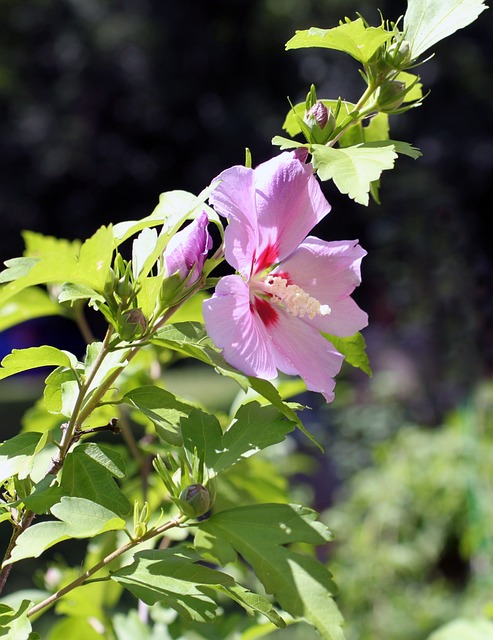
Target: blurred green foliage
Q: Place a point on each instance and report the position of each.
(414, 531)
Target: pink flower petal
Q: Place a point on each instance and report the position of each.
(299, 348)
(233, 327)
(234, 199)
(289, 203)
(329, 272)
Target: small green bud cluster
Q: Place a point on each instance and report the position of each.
(120, 294)
(185, 484)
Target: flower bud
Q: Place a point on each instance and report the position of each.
(132, 324)
(398, 55)
(187, 250)
(321, 122)
(195, 500)
(390, 95)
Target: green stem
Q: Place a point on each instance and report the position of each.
(174, 522)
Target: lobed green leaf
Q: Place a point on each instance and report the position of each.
(302, 586)
(254, 427)
(353, 349)
(352, 37)
(354, 168)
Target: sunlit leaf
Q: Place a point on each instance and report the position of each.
(464, 629)
(352, 37)
(33, 357)
(77, 518)
(27, 305)
(426, 22)
(353, 349)
(353, 169)
(15, 624)
(16, 454)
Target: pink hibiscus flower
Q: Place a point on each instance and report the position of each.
(288, 287)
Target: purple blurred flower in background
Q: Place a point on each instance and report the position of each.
(289, 287)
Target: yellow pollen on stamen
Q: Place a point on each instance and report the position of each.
(295, 300)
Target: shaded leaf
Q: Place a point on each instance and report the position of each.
(88, 472)
(176, 578)
(173, 577)
(254, 428)
(162, 408)
(302, 586)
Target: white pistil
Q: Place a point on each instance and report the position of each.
(295, 300)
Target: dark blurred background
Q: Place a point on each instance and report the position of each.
(104, 104)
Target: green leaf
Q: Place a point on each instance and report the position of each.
(94, 259)
(162, 408)
(173, 208)
(463, 629)
(16, 454)
(252, 602)
(254, 428)
(89, 267)
(25, 359)
(353, 349)
(77, 518)
(16, 268)
(15, 624)
(27, 305)
(353, 169)
(352, 37)
(38, 245)
(88, 473)
(61, 391)
(302, 585)
(75, 628)
(173, 577)
(69, 292)
(286, 143)
(426, 22)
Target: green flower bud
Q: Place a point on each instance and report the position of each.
(390, 95)
(195, 500)
(398, 55)
(132, 324)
